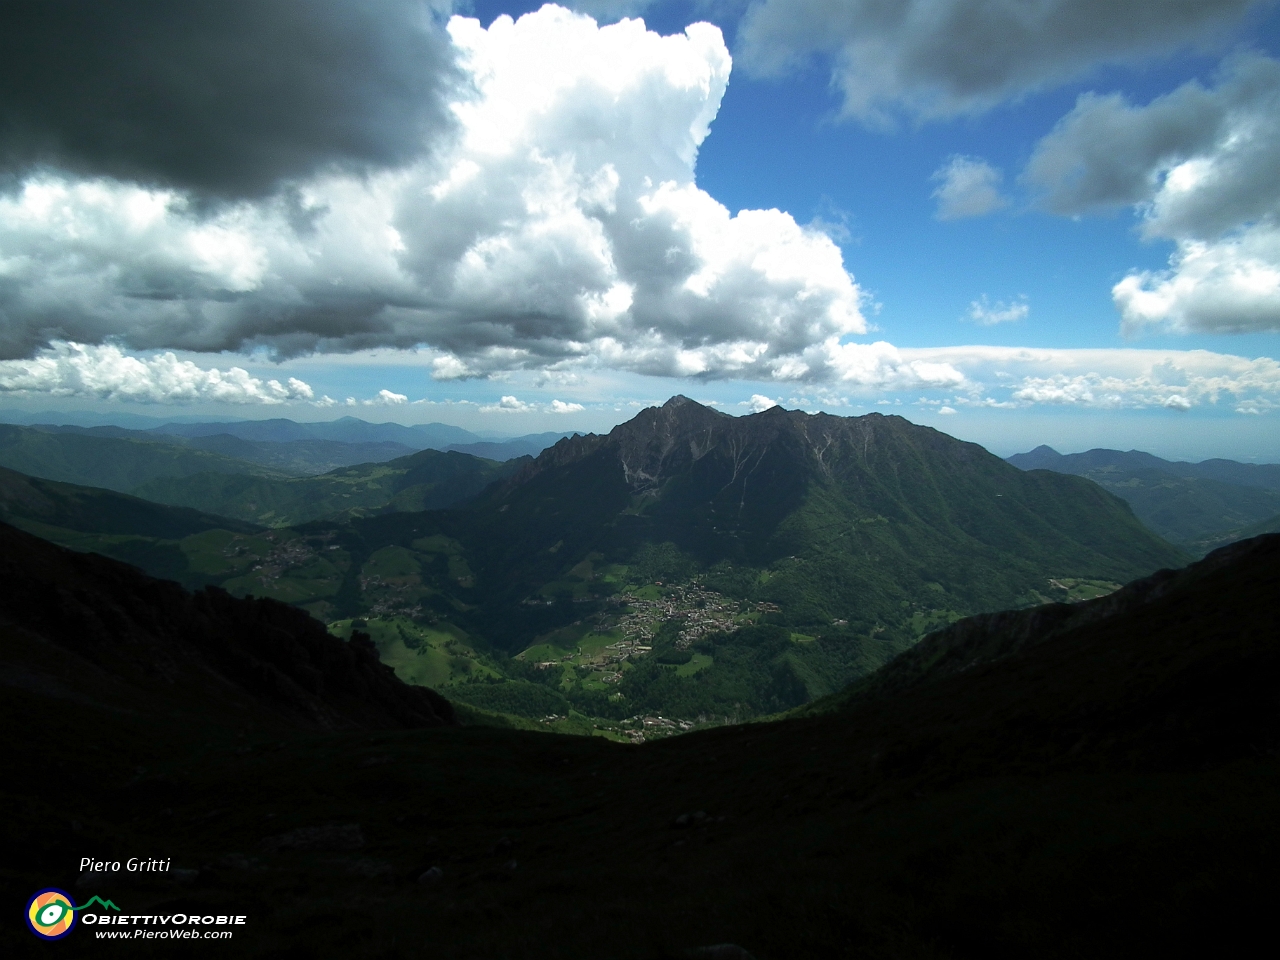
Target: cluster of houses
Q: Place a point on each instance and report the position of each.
(703, 611)
(395, 600)
(283, 556)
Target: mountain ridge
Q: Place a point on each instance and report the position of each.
(1199, 506)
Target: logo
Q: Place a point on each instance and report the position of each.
(50, 914)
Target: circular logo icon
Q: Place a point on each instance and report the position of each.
(50, 914)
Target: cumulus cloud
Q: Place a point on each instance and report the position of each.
(507, 405)
(559, 224)
(987, 314)
(758, 403)
(225, 97)
(107, 373)
(939, 57)
(967, 187)
(1200, 165)
(1230, 286)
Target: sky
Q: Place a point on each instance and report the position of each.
(1019, 224)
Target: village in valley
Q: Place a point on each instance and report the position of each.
(595, 651)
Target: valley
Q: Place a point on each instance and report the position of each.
(688, 566)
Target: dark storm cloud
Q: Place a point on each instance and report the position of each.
(940, 57)
(224, 97)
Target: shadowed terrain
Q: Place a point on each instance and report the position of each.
(1091, 780)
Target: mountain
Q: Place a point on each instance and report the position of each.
(344, 430)
(111, 462)
(298, 457)
(1196, 505)
(839, 517)
(1264, 476)
(93, 510)
(1095, 780)
(427, 480)
(693, 564)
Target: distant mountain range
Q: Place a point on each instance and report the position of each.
(1197, 505)
(111, 462)
(294, 457)
(270, 447)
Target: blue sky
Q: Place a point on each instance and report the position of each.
(1061, 228)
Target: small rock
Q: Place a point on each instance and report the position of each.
(434, 875)
(329, 837)
(369, 869)
(689, 819)
(719, 951)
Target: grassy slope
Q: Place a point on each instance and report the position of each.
(422, 481)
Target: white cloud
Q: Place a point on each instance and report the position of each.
(1230, 286)
(107, 373)
(946, 411)
(967, 187)
(940, 57)
(510, 404)
(507, 405)
(1103, 379)
(386, 398)
(882, 366)
(561, 225)
(986, 314)
(758, 403)
(1200, 166)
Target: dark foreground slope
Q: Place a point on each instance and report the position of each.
(91, 630)
(1109, 791)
